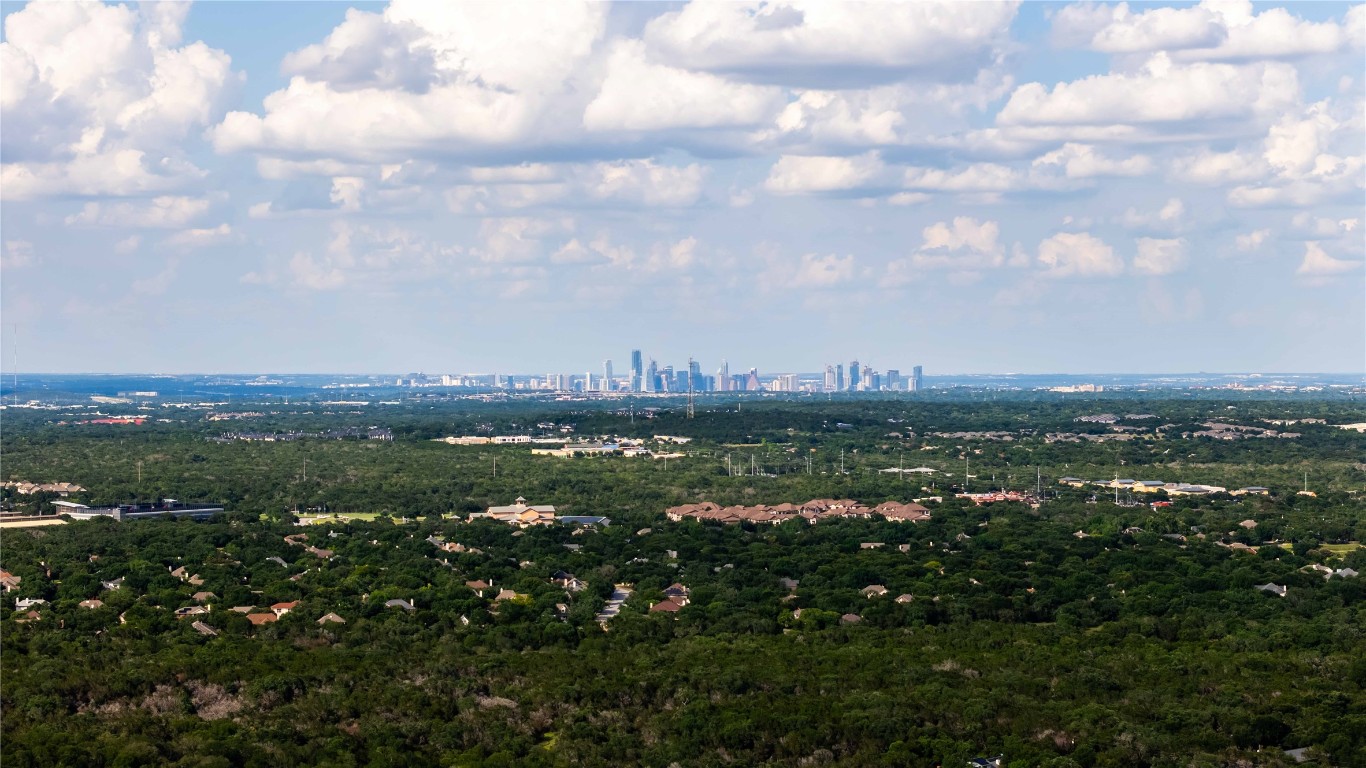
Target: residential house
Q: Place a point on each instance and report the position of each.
(902, 513)
(666, 605)
(280, 609)
(204, 629)
(850, 618)
(906, 598)
(479, 585)
(9, 581)
(1275, 589)
(568, 581)
(91, 604)
(190, 610)
(258, 619)
(678, 593)
(114, 585)
(24, 603)
(27, 617)
(204, 597)
(396, 603)
(331, 618)
(874, 590)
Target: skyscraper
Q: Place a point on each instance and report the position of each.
(637, 372)
(606, 375)
(917, 377)
(839, 377)
(829, 378)
(893, 379)
(652, 377)
(854, 375)
(695, 376)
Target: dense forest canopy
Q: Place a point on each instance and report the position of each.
(1092, 626)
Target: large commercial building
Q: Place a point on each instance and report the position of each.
(163, 508)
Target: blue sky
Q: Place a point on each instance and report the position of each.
(972, 187)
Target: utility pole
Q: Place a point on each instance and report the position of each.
(305, 469)
(730, 472)
(841, 461)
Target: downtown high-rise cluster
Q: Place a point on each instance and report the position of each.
(647, 376)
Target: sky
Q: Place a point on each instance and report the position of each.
(537, 187)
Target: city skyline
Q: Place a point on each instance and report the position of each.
(977, 187)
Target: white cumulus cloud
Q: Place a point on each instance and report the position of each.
(1160, 257)
(1160, 92)
(798, 174)
(1078, 254)
(641, 95)
(1220, 30)
(422, 77)
(1082, 161)
(811, 43)
(1317, 263)
(98, 98)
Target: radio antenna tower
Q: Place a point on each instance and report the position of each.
(690, 403)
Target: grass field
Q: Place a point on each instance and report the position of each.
(341, 518)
